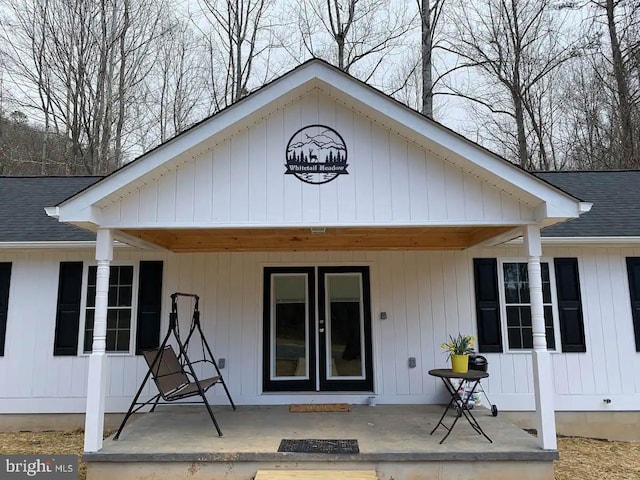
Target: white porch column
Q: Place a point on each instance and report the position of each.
(98, 362)
(542, 371)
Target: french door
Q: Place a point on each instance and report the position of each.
(317, 329)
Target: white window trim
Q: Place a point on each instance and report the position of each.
(328, 326)
(503, 304)
(272, 333)
(134, 308)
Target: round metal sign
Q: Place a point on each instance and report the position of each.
(316, 154)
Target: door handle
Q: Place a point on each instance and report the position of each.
(321, 330)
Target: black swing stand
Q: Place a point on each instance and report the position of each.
(173, 375)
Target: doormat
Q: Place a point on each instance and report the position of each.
(319, 407)
(319, 446)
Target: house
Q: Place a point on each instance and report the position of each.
(336, 238)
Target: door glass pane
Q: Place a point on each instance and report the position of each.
(344, 326)
(289, 326)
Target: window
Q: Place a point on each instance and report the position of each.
(119, 311)
(134, 307)
(517, 305)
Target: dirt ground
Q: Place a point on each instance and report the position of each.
(589, 459)
(57, 443)
(580, 458)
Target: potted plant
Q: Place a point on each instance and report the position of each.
(458, 349)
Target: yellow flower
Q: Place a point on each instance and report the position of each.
(460, 344)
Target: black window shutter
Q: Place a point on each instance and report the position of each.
(149, 306)
(5, 280)
(485, 272)
(569, 305)
(68, 311)
(633, 271)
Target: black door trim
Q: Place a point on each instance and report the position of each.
(366, 384)
(304, 385)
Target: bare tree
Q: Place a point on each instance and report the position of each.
(81, 64)
(589, 113)
(601, 110)
(621, 75)
(615, 70)
(414, 78)
(176, 95)
(515, 46)
(238, 38)
(430, 12)
(20, 147)
(355, 35)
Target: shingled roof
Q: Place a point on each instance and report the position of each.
(615, 213)
(616, 203)
(22, 215)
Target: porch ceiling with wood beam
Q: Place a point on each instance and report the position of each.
(304, 239)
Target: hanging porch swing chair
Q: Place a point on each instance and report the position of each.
(174, 375)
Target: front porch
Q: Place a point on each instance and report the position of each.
(394, 440)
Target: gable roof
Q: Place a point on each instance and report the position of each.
(550, 203)
(22, 215)
(616, 203)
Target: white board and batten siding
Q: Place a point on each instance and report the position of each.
(427, 295)
(241, 182)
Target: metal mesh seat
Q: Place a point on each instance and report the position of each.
(172, 381)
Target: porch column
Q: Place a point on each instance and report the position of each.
(542, 371)
(98, 362)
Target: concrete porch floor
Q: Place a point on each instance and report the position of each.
(180, 442)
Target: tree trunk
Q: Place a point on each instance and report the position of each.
(517, 90)
(100, 96)
(627, 154)
(122, 97)
(427, 46)
(523, 154)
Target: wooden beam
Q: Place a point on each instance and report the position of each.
(301, 239)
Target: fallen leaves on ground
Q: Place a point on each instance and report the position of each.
(591, 459)
(580, 458)
(49, 443)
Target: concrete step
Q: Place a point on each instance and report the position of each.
(316, 475)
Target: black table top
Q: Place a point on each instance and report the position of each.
(448, 373)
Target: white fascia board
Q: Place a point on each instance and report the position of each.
(298, 224)
(88, 217)
(53, 212)
(585, 207)
(489, 163)
(184, 142)
(52, 245)
(603, 241)
(551, 211)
